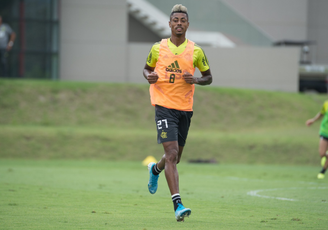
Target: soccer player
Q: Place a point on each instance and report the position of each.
(323, 143)
(169, 70)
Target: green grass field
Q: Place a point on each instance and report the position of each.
(66, 120)
(71, 153)
(114, 195)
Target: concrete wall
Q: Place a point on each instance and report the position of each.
(137, 32)
(93, 40)
(280, 19)
(138, 53)
(318, 29)
(289, 19)
(274, 69)
(95, 47)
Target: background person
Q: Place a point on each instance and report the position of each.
(323, 132)
(169, 70)
(7, 38)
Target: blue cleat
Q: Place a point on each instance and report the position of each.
(182, 212)
(152, 184)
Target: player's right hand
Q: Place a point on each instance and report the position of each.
(152, 77)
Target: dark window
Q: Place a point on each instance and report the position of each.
(36, 49)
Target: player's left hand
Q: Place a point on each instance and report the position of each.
(309, 122)
(188, 78)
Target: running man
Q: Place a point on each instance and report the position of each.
(169, 70)
(323, 143)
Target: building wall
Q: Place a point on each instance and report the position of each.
(274, 69)
(93, 40)
(138, 53)
(95, 47)
(318, 29)
(280, 19)
(292, 20)
(137, 32)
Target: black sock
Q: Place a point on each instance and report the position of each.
(156, 170)
(323, 171)
(176, 200)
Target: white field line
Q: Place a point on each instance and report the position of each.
(255, 192)
(261, 180)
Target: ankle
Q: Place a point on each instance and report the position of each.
(176, 199)
(156, 170)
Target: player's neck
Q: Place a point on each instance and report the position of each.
(177, 40)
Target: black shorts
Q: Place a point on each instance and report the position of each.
(323, 137)
(172, 125)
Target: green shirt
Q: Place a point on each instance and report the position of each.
(324, 123)
(199, 57)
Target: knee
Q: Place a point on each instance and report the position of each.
(171, 156)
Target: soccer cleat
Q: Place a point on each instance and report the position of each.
(182, 212)
(321, 176)
(323, 161)
(152, 184)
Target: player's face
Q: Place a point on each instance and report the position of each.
(179, 23)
